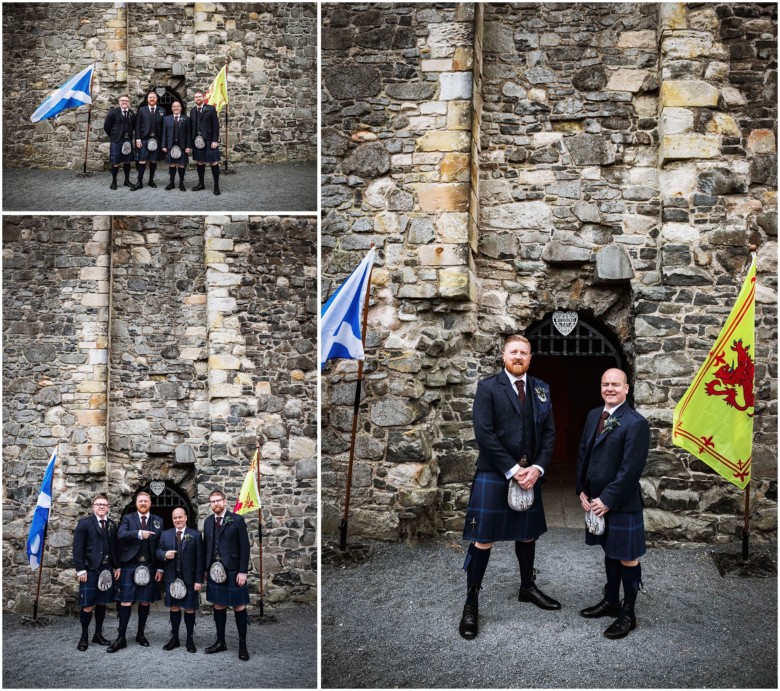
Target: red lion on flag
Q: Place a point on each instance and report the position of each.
(733, 377)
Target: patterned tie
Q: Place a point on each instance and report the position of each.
(519, 383)
(143, 522)
(602, 420)
(178, 538)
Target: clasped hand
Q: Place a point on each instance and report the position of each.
(526, 477)
(599, 508)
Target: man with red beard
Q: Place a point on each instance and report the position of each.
(515, 432)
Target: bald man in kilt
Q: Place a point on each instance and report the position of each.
(139, 533)
(180, 554)
(227, 544)
(613, 452)
(515, 432)
(95, 551)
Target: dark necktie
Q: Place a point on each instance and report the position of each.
(178, 538)
(143, 522)
(124, 114)
(102, 526)
(519, 383)
(602, 420)
(219, 522)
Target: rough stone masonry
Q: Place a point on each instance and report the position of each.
(176, 47)
(159, 349)
(512, 160)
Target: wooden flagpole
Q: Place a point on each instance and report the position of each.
(89, 120)
(259, 525)
(227, 108)
(345, 519)
(43, 542)
(746, 526)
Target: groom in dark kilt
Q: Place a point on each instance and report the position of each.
(515, 432)
(227, 544)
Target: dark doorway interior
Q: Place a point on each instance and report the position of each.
(164, 100)
(163, 504)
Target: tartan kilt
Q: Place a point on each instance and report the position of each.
(489, 518)
(227, 593)
(143, 154)
(128, 591)
(190, 601)
(183, 160)
(90, 594)
(207, 155)
(116, 156)
(624, 536)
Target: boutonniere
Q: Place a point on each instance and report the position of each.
(228, 519)
(541, 393)
(186, 537)
(157, 525)
(610, 424)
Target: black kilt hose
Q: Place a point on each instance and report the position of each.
(128, 591)
(190, 601)
(489, 518)
(227, 594)
(116, 156)
(623, 537)
(90, 594)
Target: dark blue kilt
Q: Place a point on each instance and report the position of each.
(116, 156)
(227, 593)
(143, 154)
(624, 536)
(128, 591)
(190, 601)
(207, 155)
(183, 160)
(489, 518)
(90, 595)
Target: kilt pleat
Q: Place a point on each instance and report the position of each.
(207, 155)
(489, 518)
(227, 593)
(90, 594)
(624, 537)
(128, 591)
(116, 155)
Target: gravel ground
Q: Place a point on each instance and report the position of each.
(392, 622)
(249, 188)
(283, 654)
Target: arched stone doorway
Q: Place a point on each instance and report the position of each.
(170, 497)
(571, 350)
(165, 97)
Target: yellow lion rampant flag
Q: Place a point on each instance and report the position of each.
(248, 499)
(714, 420)
(217, 94)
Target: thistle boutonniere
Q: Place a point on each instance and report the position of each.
(157, 525)
(186, 537)
(541, 393)
(610, 424)
(228, 520)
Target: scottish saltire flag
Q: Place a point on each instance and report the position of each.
(217, 94)
(72, 94)
(248, 498)
(341, 316)
(714, 419)
(41, 516)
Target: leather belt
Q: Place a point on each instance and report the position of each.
(523, 462)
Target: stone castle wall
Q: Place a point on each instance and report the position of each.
(592, 177)
(167, 364)
(179, 46)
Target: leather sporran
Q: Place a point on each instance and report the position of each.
(105, 580)
(175, 151)
(519, 499)
(178, 589)
(200, 142)
(141, 576)
(595, 524)
(152, 145)
(217, 572)
(127, 147)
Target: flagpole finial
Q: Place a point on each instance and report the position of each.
(753, 248)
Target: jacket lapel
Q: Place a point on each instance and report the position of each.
(617, 415)
(510, 391)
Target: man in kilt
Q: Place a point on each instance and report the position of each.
(205, 141)
(227, 543)
(176, 134)
(515, 432)
(181, 551)
(139, 533)
(612, 456)
(119, 126)
(95, 551)
(148, 128)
